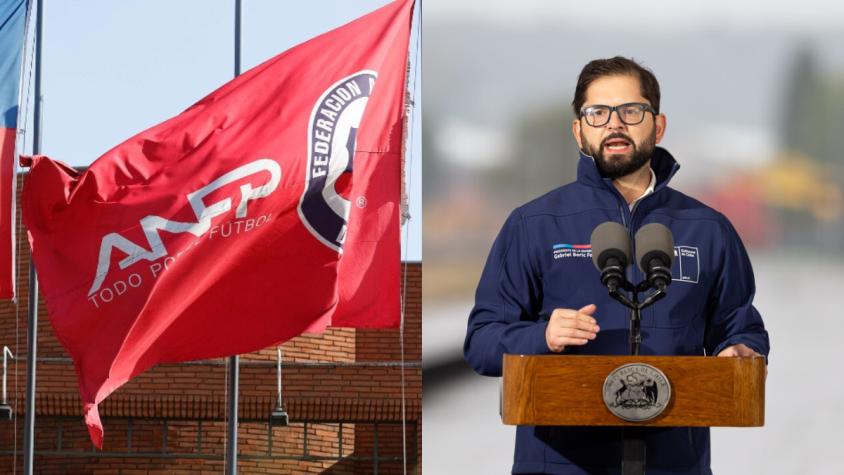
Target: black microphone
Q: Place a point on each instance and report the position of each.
(611, 253)
(655, 254)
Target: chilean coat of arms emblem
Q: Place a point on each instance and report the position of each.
(636, 392)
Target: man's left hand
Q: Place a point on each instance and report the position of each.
(738, 350)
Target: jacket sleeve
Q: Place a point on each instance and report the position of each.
(732, 317)
(507, 303)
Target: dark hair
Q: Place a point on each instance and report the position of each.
(618, 66)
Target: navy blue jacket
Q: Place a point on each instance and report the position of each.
(535, 266)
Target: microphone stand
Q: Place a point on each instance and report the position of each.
(635, 307)
(633, 441)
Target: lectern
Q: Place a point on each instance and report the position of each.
(568, 390)
(643, 391)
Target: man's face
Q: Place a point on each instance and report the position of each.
(619, 149)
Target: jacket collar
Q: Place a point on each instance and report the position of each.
(662, 163)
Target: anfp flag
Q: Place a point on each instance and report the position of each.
(270, 204)
(12, 19)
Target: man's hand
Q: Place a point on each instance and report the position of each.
(570, 327)
(738, 350)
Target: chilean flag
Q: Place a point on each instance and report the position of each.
(269, 205)
(12, 20)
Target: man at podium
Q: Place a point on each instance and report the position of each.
(540, 293)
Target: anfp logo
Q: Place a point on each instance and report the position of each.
(152, 224)
(332, 134)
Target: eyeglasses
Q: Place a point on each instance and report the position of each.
(632, 113)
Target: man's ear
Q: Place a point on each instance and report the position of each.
(575, 130)
(660, 123)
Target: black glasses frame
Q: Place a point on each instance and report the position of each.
(616, 109)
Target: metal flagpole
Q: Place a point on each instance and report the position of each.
(32, 329)
(234, 361)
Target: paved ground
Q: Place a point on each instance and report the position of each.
(798, 298)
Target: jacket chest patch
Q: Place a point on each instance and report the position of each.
(686, 266)
(564, 251)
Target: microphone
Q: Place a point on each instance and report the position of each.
(655, 254)
(611, 253)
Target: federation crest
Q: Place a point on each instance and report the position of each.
(332, 135)
(636, 392)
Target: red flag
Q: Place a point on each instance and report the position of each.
(271, 204)
(13, 15)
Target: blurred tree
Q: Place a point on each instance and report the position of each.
(434, 169)
(545, 155)
(834, 92)
(813, 109)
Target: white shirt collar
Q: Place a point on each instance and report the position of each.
(648, 190)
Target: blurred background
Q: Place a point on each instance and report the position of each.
(754, 95)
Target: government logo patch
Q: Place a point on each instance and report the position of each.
(686, 264)
(572, 250)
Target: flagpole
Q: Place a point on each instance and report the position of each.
(32, 308)
(234, 361)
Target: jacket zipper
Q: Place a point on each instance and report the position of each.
(628, 272)
(631, 272)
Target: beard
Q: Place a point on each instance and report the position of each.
(617, 165)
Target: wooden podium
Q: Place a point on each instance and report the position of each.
(567, 390)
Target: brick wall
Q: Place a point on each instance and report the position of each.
(344, 381)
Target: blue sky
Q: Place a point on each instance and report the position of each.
(114, 68)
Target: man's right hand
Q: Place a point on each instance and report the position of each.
(571, 327)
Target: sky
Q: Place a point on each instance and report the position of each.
(647, 15)
(114, 68)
